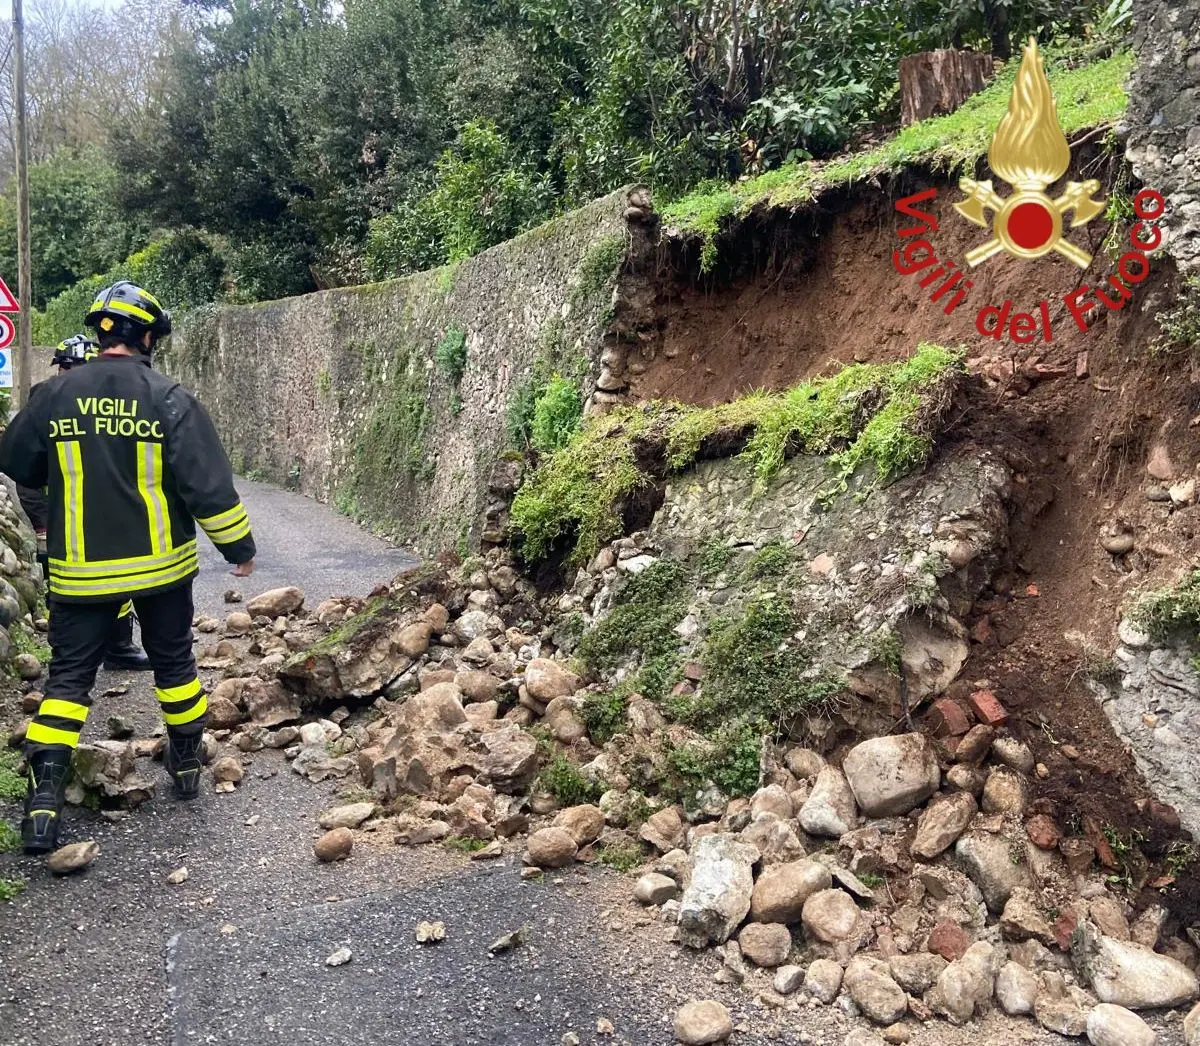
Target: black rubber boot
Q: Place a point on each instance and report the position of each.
(48, 771)
(184, 759)
(122, 654)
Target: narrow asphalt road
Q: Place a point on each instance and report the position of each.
(118, 957)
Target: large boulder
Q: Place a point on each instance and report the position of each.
(545, 680)
(965, 987)
(718, 897)
(892, 775)
(551, 848)
(509, 758)
(1126, 974)
(831, 916)
(830, 809)
(941, 824)
(1109, 1025)
(1016, 989)
(782, 889)
(268, 703)
(278, 602)
(996, 865)
(871, 986)
(765, 944)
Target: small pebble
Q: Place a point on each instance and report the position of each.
(178, 877)
(431, 933)
(339, 958)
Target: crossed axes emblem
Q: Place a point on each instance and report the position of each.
(1029, 224)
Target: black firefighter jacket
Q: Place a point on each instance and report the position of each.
(132, 462)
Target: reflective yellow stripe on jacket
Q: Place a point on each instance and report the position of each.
(70, 463)
(228, 526)
(116, 577)
(150, 474)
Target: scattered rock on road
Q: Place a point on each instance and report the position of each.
(335, 845)
(431, 933)
(178, 877)
(551, 848)
(349, 816)
(339, 958)
(73, 857)
(700, 1023)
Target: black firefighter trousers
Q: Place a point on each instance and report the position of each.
(79, 633)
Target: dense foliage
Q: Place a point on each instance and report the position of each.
(305, 143)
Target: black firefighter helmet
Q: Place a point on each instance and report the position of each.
(127, 311)
(73, 351)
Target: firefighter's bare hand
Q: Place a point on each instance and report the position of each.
(243, 569)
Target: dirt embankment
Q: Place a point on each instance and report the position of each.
(1093, 422)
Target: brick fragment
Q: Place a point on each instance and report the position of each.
(987, 708)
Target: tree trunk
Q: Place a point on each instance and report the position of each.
(936, 82)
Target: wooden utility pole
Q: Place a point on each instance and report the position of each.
(24, 355)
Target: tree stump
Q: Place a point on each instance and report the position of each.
(936, 82)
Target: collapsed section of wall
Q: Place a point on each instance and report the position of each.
(394, 400)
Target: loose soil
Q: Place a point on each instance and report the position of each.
(798, 294)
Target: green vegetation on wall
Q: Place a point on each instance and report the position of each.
(1171, 612)
(557, 411)
(882, 415)
(392, 449)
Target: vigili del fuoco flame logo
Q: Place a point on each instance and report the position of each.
(1029, 152)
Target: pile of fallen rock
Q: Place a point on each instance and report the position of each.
(903, 879)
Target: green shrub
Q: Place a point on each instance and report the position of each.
(562, 779)
(621, 857)
(11, 888)
(647, 608)
(451, 354)
(604, 715)
(12, 784)
(482, 194)
(730, 759)
(772, 560)
(714, 557)
(1169, 612)
(756, 668)
(184, 270)
(556, 414)
(10, 838)
(1179, 326)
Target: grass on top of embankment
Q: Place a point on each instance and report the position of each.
(1087, 96)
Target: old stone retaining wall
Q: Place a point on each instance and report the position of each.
(1155, 709)
(341, 395)
(1164, 117)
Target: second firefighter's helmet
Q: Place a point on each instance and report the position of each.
(125, 308)
(73, 351)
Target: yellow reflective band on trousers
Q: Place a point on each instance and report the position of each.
(58, 722)
(150, 474)
(63, 709)
(70, 463)
(182, 704)
(118, 577)
(226, 527)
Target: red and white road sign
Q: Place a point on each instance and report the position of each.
(8, 301)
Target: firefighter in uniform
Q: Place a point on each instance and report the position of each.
(132, 463)
(121, 653)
